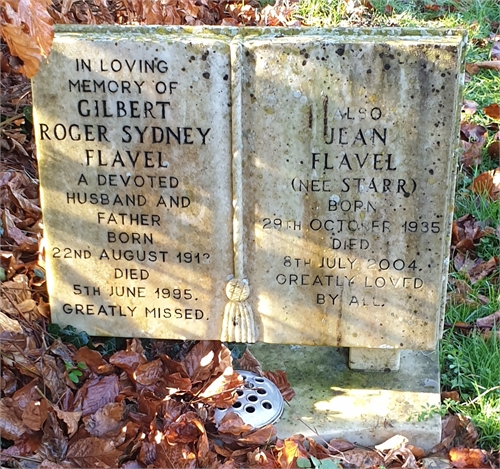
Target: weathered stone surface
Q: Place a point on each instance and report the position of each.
(362, 407)
(348, 176)
(348, 139)
(369, 359)
(134, 152)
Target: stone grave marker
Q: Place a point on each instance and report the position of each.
(134, 154)
(284, 186)
(348, 185)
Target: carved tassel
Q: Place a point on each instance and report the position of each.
(238, 320)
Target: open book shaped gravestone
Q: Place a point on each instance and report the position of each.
(286, 186)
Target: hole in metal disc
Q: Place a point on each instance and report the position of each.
(259, 380)
(267, 405)
(221, 409)
(261, 391)
(239, 392)
(253, 398)
(237, 405)
(250, 409)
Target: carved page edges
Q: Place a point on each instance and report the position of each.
(238, 324)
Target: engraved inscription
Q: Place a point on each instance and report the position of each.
(131, 156)
(349, 216)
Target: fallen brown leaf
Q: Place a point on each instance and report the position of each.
(106, 422)
(149, 373)
(54, 441)
(259, 458)
(27, 445)
(233, 424)
(492, 111)
(9, 325)
(259, 437)
(469, 107)
(461, 457)
(450, 395)
(179, 456)
(11, 426)
(280, 379)
(338, 445)
(488, 183)
(93, 452)
(93, 360)
(363, 458)
(248, 362)
(455, 430)
(494, 148)
(24, 242)
(54, 376)
(473, 139)
(175, 374)
(202, 360)
(416, 451)
(170, 410)
(8, 382)
(71, 419)
(129, 359)
(465, 245)
(495, 51)
(474, 68)
(490, 321)
(221, 392)
(482, 270)
(186, 429)
(317, 450)
(290, 450)
(23, 46)
(35, 414)
(96, 393)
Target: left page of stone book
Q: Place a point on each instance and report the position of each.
(134, 150)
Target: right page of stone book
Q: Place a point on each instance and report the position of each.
(348, 174)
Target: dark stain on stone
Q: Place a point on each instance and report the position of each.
(325, 116)
(206, 75)
(340, 51)
(205, 55)
(226, 77)
(387, 67)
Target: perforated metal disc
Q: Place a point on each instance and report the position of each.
(259, 402)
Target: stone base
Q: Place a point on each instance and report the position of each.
(366, 408)
(372, 359)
